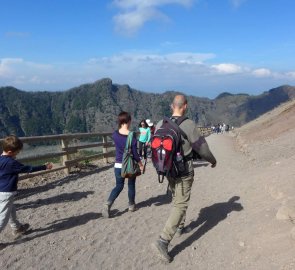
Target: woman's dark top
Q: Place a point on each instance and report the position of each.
(120, 142)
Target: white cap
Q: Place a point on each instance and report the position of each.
(148, 121)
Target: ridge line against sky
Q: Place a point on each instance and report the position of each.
(199, 47)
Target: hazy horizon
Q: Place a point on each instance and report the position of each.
(148, 92)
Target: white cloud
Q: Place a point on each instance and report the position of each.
(17, 34)
(10, 65)
(155, 59)
(130, 22)
(262, 72)
(130, 4)
(134, 13)
(227, 68)
(237, 3)
(17, 71)
(3, 70)
(169, 44)
(8, 61)
(291, 74)
(5, 65)
(182, 71)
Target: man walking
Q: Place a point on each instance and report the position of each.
(181, 185)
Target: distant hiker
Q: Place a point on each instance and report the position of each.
(180, 186)
(120, 137)
(151, 126)
(9, 170)
(223, 128)
(144, 138)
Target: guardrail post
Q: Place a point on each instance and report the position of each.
(105, 148)
(66, 157)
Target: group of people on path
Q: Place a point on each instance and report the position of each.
(180, 186)
(221, 128)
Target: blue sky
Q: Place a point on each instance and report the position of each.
(200, 47)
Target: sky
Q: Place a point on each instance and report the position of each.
(199, 47)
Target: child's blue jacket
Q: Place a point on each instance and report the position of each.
(9, 170)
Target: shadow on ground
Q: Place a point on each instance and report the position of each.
(27, 192)
(58, 225)
(158, 200)
(208, 218)
(62, 198)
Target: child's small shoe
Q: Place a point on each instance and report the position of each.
(21, 230)
(132, 208)
(106, 211)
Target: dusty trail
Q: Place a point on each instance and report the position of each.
(231, 212)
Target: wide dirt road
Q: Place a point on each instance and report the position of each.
(232, 216)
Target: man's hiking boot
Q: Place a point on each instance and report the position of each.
(106, 211)
(161, 248)
(179, 232)
(132, 208)
(21, 230)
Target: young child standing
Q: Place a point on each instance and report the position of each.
(9, 170)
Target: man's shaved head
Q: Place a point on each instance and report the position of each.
(179, 101)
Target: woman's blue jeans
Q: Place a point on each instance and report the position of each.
(119, 187)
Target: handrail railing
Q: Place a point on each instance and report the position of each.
(67, 151)
(205, 131)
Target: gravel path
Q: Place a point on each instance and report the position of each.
(232, 211)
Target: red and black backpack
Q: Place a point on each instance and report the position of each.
(166, 146)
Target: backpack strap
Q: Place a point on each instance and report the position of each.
(176, 124)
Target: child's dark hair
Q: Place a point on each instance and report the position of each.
(12, 143)
(123, 118)
(143, 121)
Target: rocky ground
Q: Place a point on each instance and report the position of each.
(242, 212)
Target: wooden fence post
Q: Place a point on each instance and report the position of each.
(105, 148)
(64, 145)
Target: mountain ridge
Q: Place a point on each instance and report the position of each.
(93, 107)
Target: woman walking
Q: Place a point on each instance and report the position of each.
(144, 138)
(120, 138)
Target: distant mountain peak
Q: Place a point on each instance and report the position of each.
(223, 95)
(103, 80)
